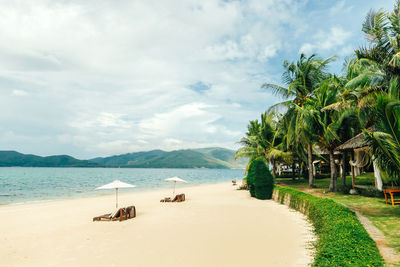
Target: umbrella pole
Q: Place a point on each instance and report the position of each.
(173, 194)
(116, 198)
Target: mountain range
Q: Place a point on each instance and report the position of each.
(212, 158)
(13, 158)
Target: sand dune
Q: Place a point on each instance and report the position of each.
(216, 226)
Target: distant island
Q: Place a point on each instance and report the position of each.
(210, 158)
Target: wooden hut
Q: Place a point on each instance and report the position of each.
(321, 155)
(359, 157)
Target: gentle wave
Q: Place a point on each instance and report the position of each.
(35, 184)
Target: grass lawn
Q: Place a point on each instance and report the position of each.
(384, 216)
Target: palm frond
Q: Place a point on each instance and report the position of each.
(278, 90)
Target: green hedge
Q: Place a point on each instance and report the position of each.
(342, 240)
(260, 180)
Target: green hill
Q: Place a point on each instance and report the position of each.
(213, 158)
(13, 158)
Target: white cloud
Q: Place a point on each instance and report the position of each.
(20, 93)
(340, 7)
(103, 77)
(334, 39)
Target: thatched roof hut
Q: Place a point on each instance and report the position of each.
(357, 145)
(353, 143)
(321, 151)
(357, 141)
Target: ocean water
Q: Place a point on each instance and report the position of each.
(18, 184)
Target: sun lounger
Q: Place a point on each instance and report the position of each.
(167, 199)
(233, 182)
(120, 214)
(108, 216)
(131, 212)
(177, 198)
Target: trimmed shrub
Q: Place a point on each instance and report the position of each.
(261, 180)
(250, 178)
(342, 240)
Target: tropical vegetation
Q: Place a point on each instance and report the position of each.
(342, 240)
(322, 110)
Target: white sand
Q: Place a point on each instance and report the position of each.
(215, 226)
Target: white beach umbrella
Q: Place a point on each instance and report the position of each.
(175, 180)
(116, 185)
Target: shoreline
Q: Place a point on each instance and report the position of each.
(108, 194)
(25, 185)
(217, 225)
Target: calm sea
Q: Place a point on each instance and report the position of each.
(32, 184)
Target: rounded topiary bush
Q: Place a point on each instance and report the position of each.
(250, 178)
(262, 181)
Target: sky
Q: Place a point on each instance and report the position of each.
(95, 78)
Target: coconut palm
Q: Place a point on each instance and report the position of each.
(301, 79)
(382, 30)
(384, 142)
(334, 125)
(302, 132)
(262, 140)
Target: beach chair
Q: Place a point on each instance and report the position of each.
(179, 198)
(131, 212)
(166, 199)
(120, 214)
(108, 216)
(233, 182)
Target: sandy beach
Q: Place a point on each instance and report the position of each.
(216, 226)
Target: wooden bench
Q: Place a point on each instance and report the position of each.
(392, 192)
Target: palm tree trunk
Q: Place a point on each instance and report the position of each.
(310, 167)
(344, 171)
(274, 168)
(333, 185)
(293, 172)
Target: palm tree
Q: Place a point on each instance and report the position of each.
(382, 30)
(302, 132)
(334, 124)
(301, 79)
(249, 143)
(384, 142)
(262, 140)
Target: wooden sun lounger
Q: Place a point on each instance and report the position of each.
(131, 212)
(120, 214)
(177, 198)
(167, 199)
(392, 192)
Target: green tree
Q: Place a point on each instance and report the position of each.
(384, 142)
(382, 30)
(262, 141)
(334, 125)
(301, 79)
